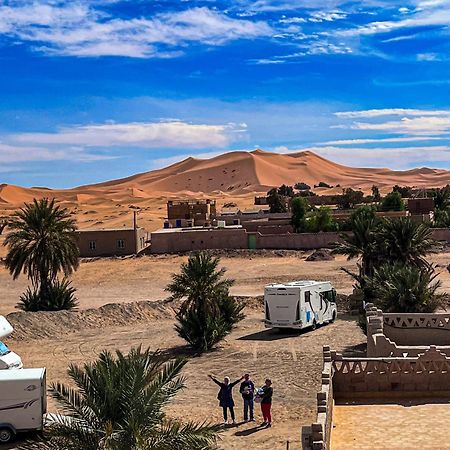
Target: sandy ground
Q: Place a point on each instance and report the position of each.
(392, 425)
(145, 278)
(293, 361)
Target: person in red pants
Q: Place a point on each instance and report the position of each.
(266, 403)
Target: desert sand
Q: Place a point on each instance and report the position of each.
(231, 177)
(293, 361)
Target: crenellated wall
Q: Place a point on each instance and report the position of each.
(346, 378)
(391, 334)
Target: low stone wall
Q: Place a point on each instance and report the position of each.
(391, 334)
(426, 375)
(441, 234)
(321, 429)
(296, 241)
(348, 378)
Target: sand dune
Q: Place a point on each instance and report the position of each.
(232, 176)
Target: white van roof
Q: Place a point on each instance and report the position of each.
(5, 327)
(22, 374)
(299, 284)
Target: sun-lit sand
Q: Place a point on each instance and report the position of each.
(231, 177)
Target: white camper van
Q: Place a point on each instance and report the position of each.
(299, 304)
(23, 401)
(8, 359)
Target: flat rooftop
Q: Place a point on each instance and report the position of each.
(396, 424)
(188, 229)
(87, 230)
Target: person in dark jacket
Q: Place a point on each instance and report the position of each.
(247, 390)
(225, 397)
(266, 403)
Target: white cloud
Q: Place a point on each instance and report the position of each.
(327, 16)
(166, 134)
(394, 158)
(384, 140)
(81, 30)
(10, 153)
(370, 113)
(417, 125)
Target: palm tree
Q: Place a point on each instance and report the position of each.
(400, 288)
(442, 199)
(404, 241)
(200, 283)
(362, 242)
(42, 243)
(118, 404)
(207, 312)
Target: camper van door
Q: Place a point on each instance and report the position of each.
(5, 328)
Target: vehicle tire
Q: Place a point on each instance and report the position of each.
(5, 435)
(314, 325)
(333, 318)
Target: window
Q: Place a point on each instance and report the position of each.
(92, 245)
(307, 296)
(4, 350)
(120, 243)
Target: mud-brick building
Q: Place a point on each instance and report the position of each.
(112, 242)
(183, 213)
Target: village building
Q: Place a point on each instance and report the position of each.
(112, 242)
(190, 213)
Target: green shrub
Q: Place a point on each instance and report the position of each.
(400, 288)
(393, 202)
(59, 295)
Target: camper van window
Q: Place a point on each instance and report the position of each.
(330, 296)
(307, 296)
(4, 350)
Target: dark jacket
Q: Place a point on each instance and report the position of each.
(267, 395)
(225, 395)
(251, 389)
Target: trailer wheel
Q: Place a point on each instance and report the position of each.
(314, 325)
(5, 435)
(333, 318)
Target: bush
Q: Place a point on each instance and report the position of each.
(404, 191)
(204, 330)
(399, 288)
(320, 220)
(322, 184)
(302, 186)
(350, 198)
(276, 201)
(207, 313)
(300, 207)
(60, 295)
(393, 202)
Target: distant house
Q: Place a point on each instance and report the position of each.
(112, 242)
(182, 213)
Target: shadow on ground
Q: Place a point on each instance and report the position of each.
(272, 334)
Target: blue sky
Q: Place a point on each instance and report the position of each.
(99, 89)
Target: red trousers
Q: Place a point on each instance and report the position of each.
(265, 409)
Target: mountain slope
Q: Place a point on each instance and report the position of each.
(232, 174)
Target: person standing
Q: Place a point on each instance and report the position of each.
(247, 390)
(225, 397)
(266, 403)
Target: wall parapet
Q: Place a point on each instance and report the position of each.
(405, 334)
(321, 429)
(348, 378)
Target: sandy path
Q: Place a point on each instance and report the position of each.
(292, 361)
(123, 280)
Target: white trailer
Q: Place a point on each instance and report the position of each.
(8, 359)
(23, 401)
(300, 304)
